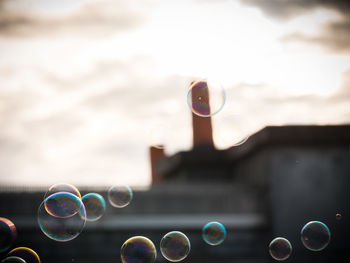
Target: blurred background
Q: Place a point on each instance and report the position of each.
(86, 87)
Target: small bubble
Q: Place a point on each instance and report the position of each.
(214, 233)
(120, 195)
(280, 249)
(95, 206)
(175, 246)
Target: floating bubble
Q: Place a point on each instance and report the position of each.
(338, 216)
(206, 98)
(95, 206)
(27, 254)
(175, 246)
(63, 211)
(231, 130)
(13, 260)
(8, 234)
(62, 228)
(280, 249)
(120, 195)
(315, 235)
(138, 249)
(214, 233)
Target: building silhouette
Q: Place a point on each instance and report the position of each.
(269, 186)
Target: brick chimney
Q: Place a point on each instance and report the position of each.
(156, 153)
(202, 129)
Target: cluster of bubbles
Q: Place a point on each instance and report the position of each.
(315, 236)
(174, 246)
(22, 254)
(8, 235)
(63, 213)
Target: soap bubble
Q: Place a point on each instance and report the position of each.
(315, 235)
(13, 260)
(25, 253)
(95, 206)
(62, 228)
(120, 195)
(175, 246)
(206, 98)
(231, 130)
(214, 233)
(68, 209)
(280, 248)
(338, 216)
(8, 234)
(138, 249)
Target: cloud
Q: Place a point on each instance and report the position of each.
(91, 19)
(286, 9)
(334, 35)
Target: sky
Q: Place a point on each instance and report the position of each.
(87, 85)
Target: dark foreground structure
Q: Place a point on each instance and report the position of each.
(270, 186)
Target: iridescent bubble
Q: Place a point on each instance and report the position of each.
(338, 216)
(206, 98)
(280, 249)
(8, 234)
(62, 228)
(13, 260)
(138, 249)
(214, 233)
(119, 195)
(95, 206)
(175, 246)
(315, 235)
(25, 253)
(68, 209)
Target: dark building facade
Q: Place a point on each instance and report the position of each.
(271, 185)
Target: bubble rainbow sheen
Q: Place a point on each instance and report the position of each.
(138, 249)
(13, 260)
(206, 98)
(175, 246)
(315, 236)
(120, 195)
(95, 206)
(25, 253)
(62, 228)
(8, 234)
(280, 248)
(64, 211)
(214, 233)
